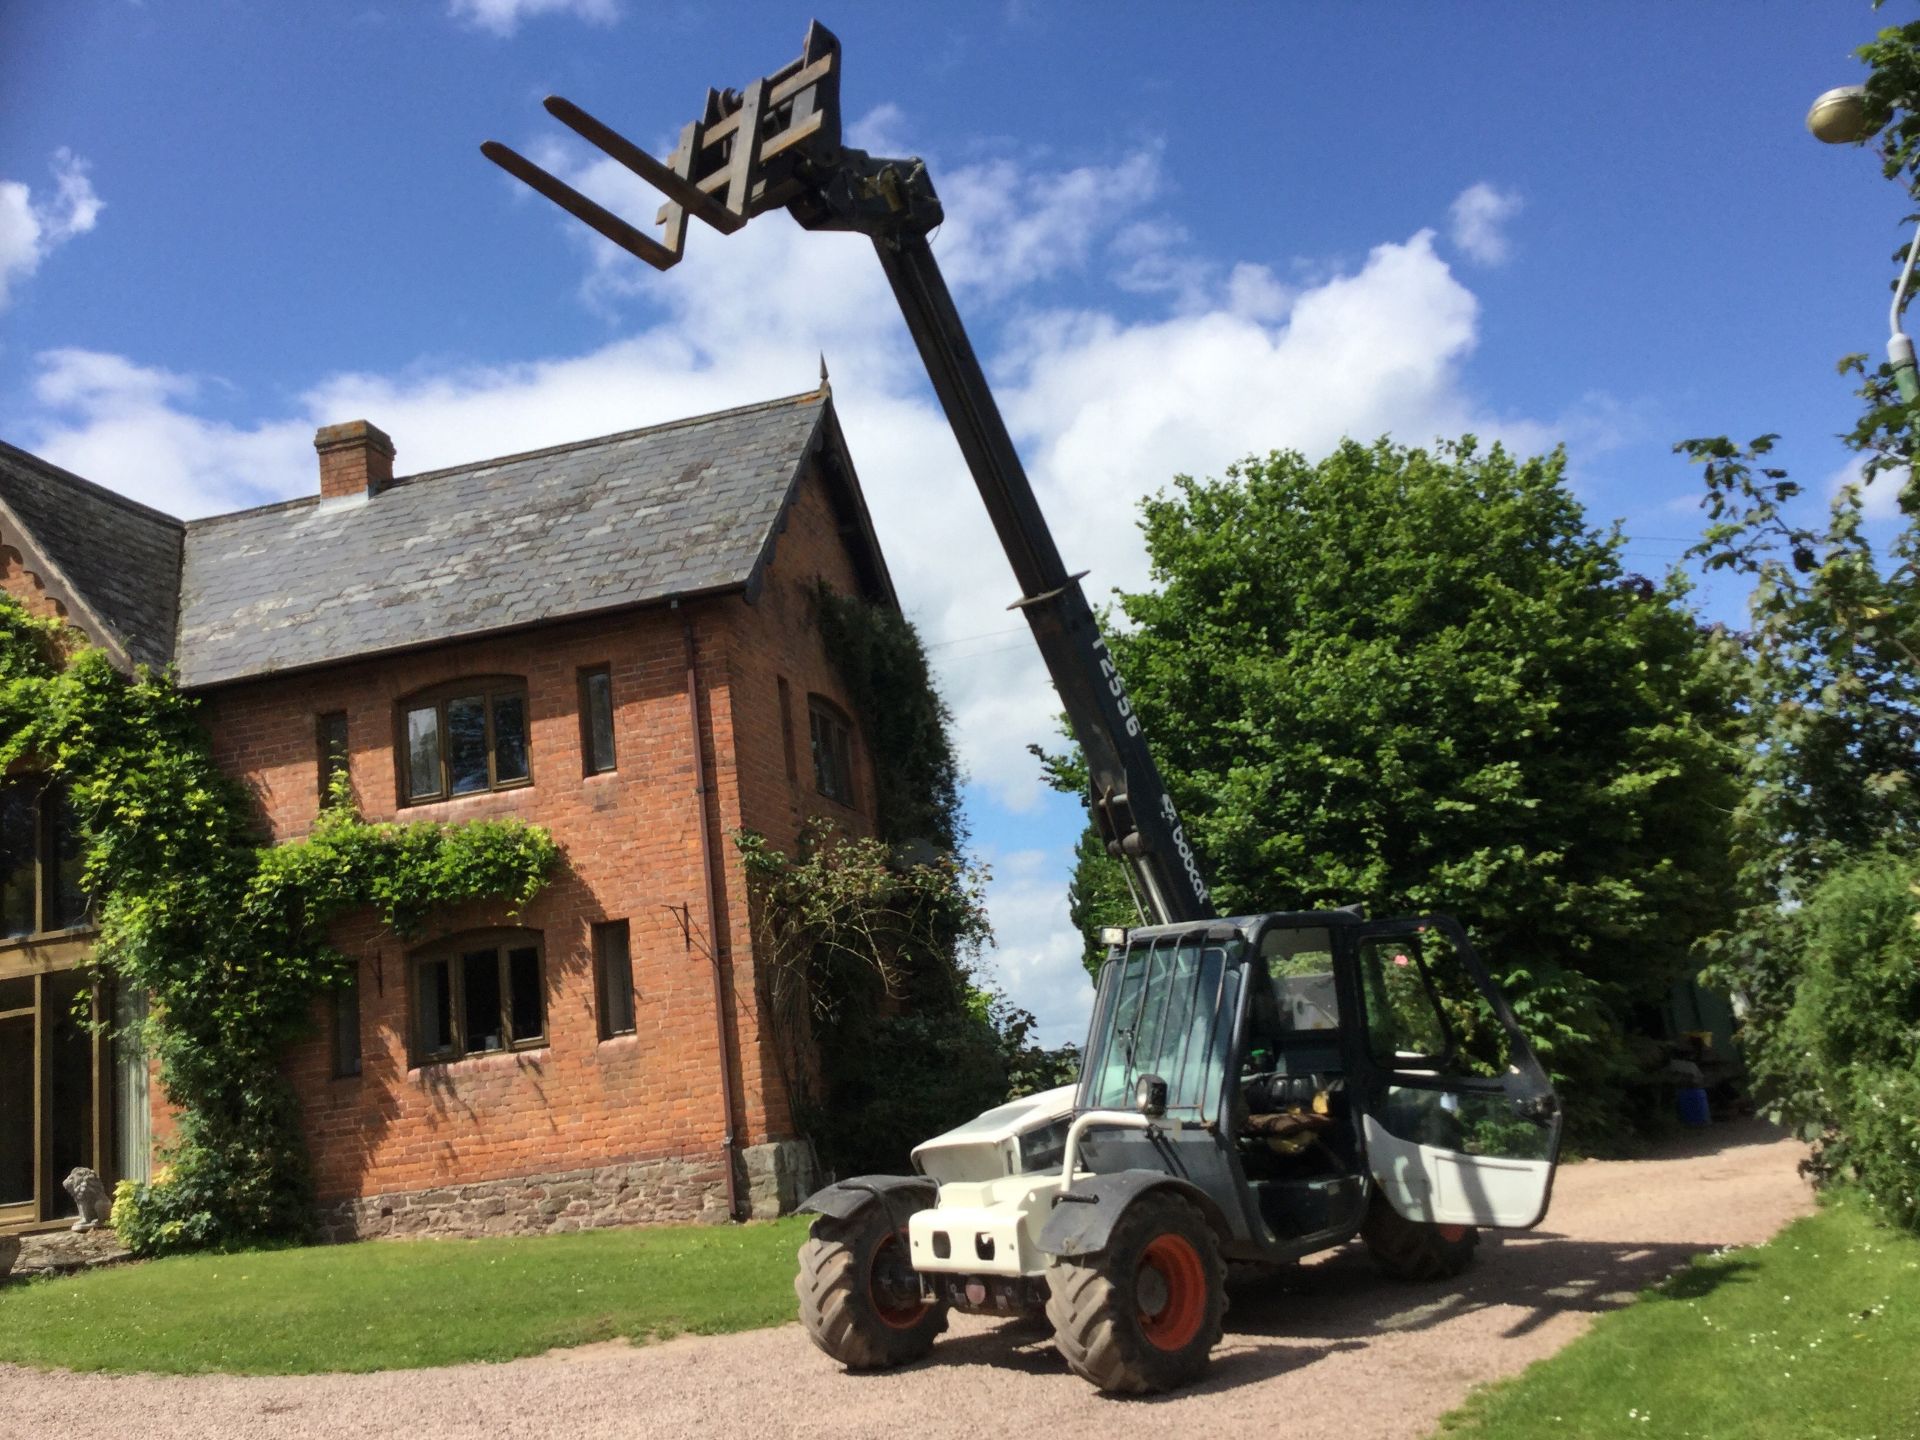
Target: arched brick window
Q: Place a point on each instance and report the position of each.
(463, 738)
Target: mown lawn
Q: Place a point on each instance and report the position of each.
(1813, 1336)
(389, 1306)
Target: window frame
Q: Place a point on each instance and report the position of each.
(42, 822)
(821, 709)
(587, 675)
(329, 761)
(452, 950)
(785, 693)
(344, 1005)
(488, 688)
(605, 932)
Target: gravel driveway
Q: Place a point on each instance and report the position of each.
(1330, 1350)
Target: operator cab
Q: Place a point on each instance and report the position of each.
(1312, 1059)
(1294, 1134)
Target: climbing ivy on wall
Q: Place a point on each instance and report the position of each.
(227, 936)
(869, 948)
(906, 725)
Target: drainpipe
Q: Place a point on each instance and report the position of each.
(728, 1142)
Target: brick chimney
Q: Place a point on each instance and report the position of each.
(355, 459)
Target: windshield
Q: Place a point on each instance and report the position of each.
(1166, 1009)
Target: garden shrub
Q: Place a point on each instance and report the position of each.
(1844, 1062)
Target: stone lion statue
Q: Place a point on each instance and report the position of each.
(90, 1194)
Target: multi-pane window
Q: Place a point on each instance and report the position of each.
(331, 734)
(832, 750)
(596, 720)
(613, 973)
(40, 860)
(479, 993)
(346, 1029)
(463, 739)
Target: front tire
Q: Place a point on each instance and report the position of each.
(1410, 1250)
(1144, 1314)
(859, 1297)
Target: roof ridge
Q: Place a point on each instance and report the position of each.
(114, 497)
(540, 454)
(610, 439)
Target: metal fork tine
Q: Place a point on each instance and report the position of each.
(633, 241)
(656, 173)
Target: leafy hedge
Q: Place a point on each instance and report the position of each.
(225, 935)
(1843, 1063)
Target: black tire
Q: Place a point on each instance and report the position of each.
(1123, 1340)
(855, 1299)
(1409, 1250)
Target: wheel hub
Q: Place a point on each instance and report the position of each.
(1170, 1292)
(892, 1286)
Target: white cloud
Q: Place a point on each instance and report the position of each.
(1106, 407)
(503, 17)
(1036, 954)
(881, 131)
(30, 230)
(1879, 499)
(1479, 217)
(1010, 225)
(129, 426)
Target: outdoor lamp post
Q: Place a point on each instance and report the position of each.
(1839, 117)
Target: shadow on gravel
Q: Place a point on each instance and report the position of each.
(1540, 1275)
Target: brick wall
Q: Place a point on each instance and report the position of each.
(577, 1104)
(23, 585)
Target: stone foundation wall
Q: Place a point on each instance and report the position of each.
(644, 1193)
(780, 1174)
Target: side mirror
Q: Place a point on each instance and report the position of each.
(1150, 1096)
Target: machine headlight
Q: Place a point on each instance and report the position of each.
(1043, 1149)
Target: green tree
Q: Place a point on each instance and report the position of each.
(1828, 828)
(1418, 680)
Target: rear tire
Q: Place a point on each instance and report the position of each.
(1410, 1250)
(1143, 1314)
(859, 1298)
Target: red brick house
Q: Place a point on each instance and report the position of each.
(611, 639)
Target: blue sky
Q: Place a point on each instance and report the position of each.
(1175, 240)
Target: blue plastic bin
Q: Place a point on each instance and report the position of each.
(1693, 1106)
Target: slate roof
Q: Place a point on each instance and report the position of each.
(112, 562)
(679, 509)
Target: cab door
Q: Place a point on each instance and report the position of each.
(1461, 1124)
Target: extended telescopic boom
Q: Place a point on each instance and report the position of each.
(776, 145)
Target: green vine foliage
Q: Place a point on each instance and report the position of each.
(906, 724)
(226, 936)
(865, 968)
(869, 948)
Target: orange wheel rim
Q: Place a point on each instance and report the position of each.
(1172, 1276)
(894, 1311)
(1452, 1234)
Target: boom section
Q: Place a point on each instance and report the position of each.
(776, 144)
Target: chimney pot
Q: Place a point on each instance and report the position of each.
(355, 459)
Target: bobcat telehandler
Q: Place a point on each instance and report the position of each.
(1254, 1088)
